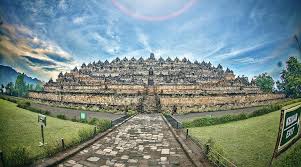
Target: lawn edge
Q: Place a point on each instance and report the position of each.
(61, 156)
(190, 154)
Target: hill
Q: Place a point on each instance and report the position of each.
(8, 74)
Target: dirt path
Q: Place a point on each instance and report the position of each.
(144, 140)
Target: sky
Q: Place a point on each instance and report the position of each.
(43, 37)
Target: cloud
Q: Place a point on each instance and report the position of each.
(21, 49)
(79, 20)
(109, 46)
(143, 39)
(38, 62)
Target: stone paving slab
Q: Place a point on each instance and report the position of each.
(144, 140)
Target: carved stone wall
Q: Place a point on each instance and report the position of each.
(183, 103)
(88, 99)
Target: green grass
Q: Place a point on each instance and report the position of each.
(207, 121)
(248, 142)
(19, 129)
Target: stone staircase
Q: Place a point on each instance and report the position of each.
(150, 104)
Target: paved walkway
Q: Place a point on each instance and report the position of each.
(144, 140)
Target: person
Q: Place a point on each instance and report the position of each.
(174, 109)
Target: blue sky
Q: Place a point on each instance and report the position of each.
(42, 38)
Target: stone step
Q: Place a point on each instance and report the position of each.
(150, 103)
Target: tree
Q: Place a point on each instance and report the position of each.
(10, 90)
(20, 85)
(2, 89)
(39, 87)
(291, 78)
(265, 82)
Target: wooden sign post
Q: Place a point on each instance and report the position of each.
(42, 122)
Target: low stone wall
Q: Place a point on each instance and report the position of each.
(196, 103)
(102, 88)
(200, 89)
(211, 103)
(88, 99)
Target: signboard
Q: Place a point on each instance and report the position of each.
(289, 129)
(83, 116)
(42, 119)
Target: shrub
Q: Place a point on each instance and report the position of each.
(101, 125)
(85, 134)
(265, 110)
(17, 157)
(207, 121)
(23, 104)
(8, 99)
(74, 119)
(83, 121)
(93, 121)
(61, 116)
(131, 112)
(52, 148)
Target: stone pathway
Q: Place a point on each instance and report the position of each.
(144, 140)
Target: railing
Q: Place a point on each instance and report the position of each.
(173, 122)
(211, 153)
(118, 120)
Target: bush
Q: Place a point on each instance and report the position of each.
(207, 121)
(52, 148)
(23, 104)
(131, 112)
(101, 125)
(265, 110)
(93, 121)
(8, 99)
(83, 121)
(61, 116)
(85, 134)
(74, 119)
(17, 157)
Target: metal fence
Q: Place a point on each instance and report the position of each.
(173, 122)
(213, 155)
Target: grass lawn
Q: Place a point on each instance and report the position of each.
(19, 128)
(248, 142)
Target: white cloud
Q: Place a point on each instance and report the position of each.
(63, 5)
(143, 39)
(79, 20)
(109, 46)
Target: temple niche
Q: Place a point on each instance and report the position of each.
(135, 82)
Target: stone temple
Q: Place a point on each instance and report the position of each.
(153, 85)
